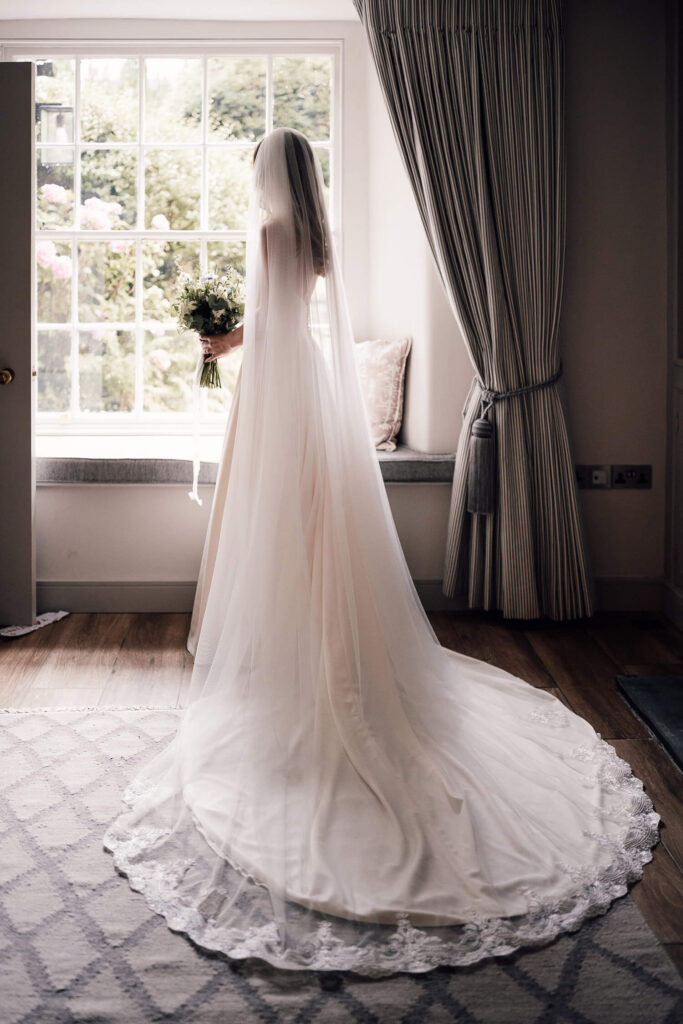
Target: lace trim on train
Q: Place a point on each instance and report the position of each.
(406, 947)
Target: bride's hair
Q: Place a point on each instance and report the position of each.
(307, 198)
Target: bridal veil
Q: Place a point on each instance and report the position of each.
(342, 792)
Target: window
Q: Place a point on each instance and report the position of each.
(143, 164)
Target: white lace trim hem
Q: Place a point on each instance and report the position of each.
(387, 949)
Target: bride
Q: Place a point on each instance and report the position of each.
(343, 792)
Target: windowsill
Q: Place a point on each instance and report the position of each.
(115, 447)
(168, 460)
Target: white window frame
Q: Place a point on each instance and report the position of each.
(138, 422)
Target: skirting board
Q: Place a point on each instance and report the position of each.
(629, 594)
(115, 596)
(612, 594)
(174, 596)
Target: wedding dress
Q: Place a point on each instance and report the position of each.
(343, 792)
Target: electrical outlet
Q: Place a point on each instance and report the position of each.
(593, 477)
(632, 477)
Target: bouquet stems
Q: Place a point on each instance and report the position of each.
(210, 377)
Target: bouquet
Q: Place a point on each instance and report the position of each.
(210, 304)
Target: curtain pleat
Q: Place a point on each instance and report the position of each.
(474, 89)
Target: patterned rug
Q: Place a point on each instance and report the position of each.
(78, 945)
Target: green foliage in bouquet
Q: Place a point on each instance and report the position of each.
(210, 304)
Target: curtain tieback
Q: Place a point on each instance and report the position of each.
(488, 396)
(481, 470)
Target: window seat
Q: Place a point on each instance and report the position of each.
(405, 465)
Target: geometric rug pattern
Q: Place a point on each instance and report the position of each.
(77, 945)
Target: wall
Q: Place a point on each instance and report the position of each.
(152, 533)
(674, 147)
(613, 323)
(89, 533)
(354, 90)
(406, 296)
(614, 311)
(613, 331)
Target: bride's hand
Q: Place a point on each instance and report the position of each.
(216, 345)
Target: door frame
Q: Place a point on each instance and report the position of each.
(674, 463)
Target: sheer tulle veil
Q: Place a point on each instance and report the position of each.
(342, 792)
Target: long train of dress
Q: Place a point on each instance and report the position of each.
(378, 809)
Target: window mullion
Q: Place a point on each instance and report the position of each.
(139, 327)
(75, 254)
(269, 94)
(61, 235)
(204, 186)
(204, 190)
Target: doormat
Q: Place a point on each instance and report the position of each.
(7, 632)
(658, 700)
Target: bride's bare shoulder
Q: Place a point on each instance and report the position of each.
(276, 240)
(273, 229)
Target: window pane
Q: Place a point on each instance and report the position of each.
(170, 359)
(54, 271)
(106, 370)
(323, 155)
(237, 98)
(172, 186)
(106, 280)
(301, 95)
(55, 200)
(221, 255)
(229, 185)
(319, 313)
(321, 333)
(108, 189)
(218, 400)
(173, 99)
(54, 371)
(109, 100)
(54, 100)
(161, 263)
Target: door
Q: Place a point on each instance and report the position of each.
(17, 472)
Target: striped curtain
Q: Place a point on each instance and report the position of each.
(474, 89)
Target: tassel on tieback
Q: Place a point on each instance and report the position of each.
(482, 469)
(481, 474)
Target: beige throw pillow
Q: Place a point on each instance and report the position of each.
(382, 369)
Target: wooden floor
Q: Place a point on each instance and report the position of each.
(140, 659)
